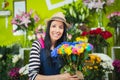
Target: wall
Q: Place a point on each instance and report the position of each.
(40, 7)
(6, 36)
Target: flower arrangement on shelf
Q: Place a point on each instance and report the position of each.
(12, 64)
(97, 37)
(73, 54)
(98, 65)
(76, 12)
(97, 7)
(41, 29)
(14, 73)
(97, 4)
(116, 65)
(74, 33)
(114, 22)
(40, 34)
(25, 21)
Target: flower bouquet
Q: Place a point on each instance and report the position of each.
(98, 65)
(93, 67)
(25, 21)
(114, 19)
(115, 23)
(14, 73)
(98, 7)
(116, 64)
(97, 4)
(74, 55)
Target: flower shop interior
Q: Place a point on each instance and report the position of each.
(91, 21)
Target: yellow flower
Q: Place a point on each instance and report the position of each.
(92, 57)
(98, 59)
(95, 67)
(89, 67)
(80, 50)
(68, 50)
(84, 39)
(59, 51)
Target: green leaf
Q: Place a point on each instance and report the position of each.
(74, 58)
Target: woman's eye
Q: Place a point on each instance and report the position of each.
(61, 27)
(53, 26)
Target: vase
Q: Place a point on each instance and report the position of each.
(99, 18)
(117, 36)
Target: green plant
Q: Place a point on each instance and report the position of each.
(76, 12)
(10, 59)
(114, 20)
(96, 66)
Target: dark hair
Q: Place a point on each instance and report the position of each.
(48, 40)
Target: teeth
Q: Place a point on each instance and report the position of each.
(56, 35)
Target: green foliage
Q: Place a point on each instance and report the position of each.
(26, 56)
(6, 61)
(74, 32)
(114, 21)
(76, 12)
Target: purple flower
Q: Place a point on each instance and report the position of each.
(14, 73)
(116, 64)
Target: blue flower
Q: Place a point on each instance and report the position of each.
(89, 47)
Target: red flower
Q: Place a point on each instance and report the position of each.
(95, 31)
(106, 34)
(84, 33)
(97, 38)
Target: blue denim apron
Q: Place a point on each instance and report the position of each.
(45, 67)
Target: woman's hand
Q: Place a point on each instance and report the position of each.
(67, 76)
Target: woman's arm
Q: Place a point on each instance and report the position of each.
(34, 60)
(65, 76)
(34, 66)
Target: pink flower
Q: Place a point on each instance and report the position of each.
(36, 18)
(14, 73)
(25, 21)
(14, 21)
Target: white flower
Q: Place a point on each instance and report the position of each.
(97, 4)
(16, 58)
(31, 37)
(24, 70)
(107, 61)
(1, 56)
(20, 56)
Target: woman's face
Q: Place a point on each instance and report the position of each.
(56, 30)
